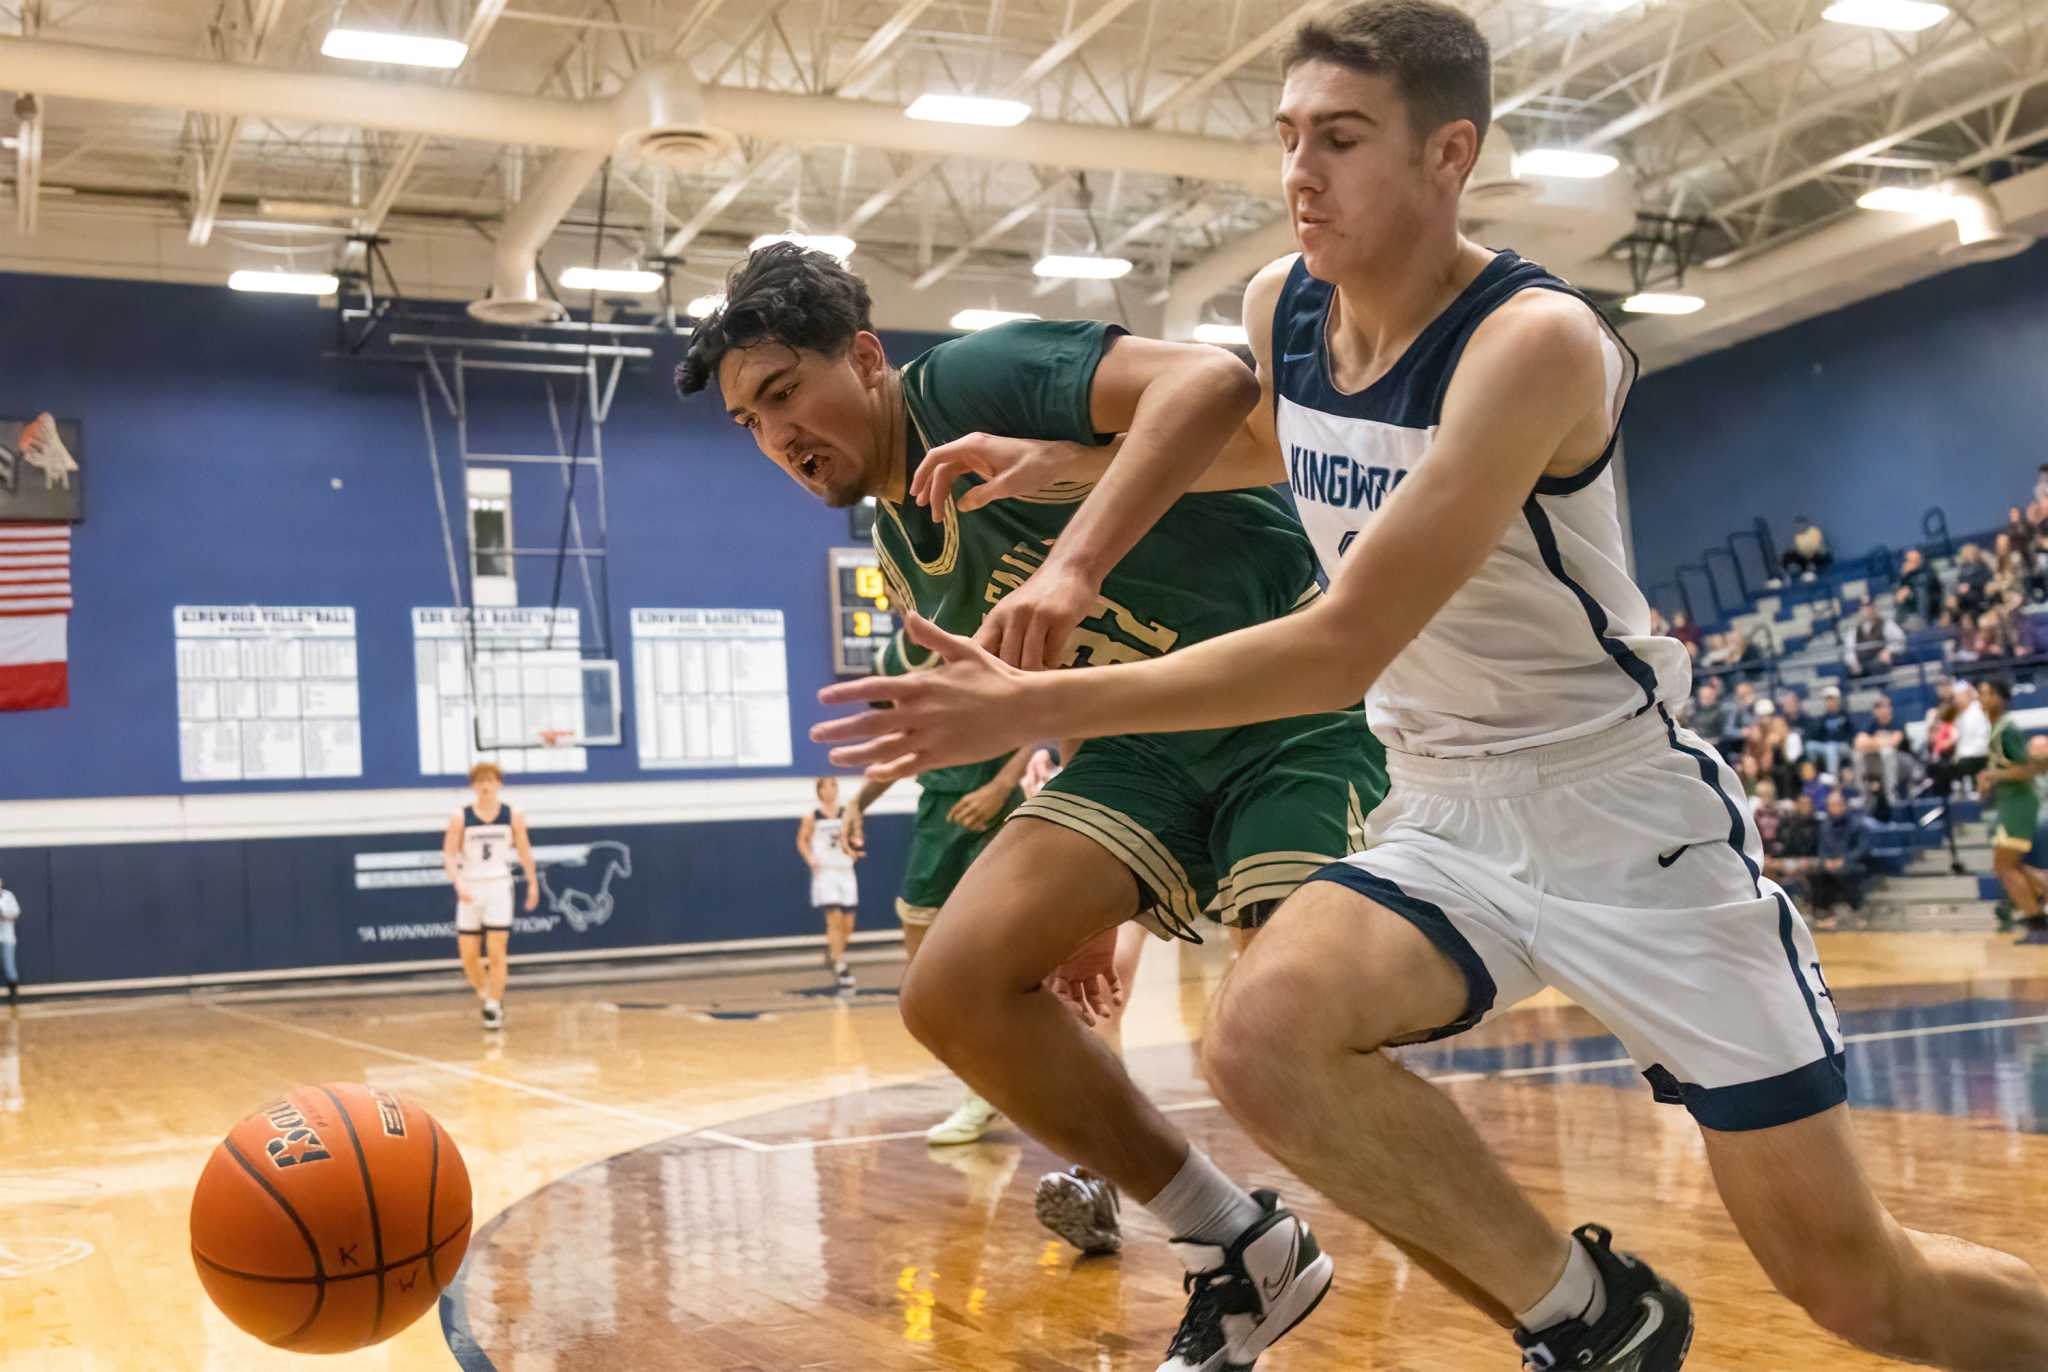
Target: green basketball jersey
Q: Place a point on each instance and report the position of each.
(1213, 563)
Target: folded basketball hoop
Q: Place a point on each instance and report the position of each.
(43, 450)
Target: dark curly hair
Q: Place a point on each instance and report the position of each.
(1436, 55)
(783, 294)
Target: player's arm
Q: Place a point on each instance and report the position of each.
(451, 855)
(523, 845)
(1531, 375)
(1175, 404)
(978, 808)
(1250, 456)
(805, 827)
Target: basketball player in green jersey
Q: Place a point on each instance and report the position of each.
(1217, 822)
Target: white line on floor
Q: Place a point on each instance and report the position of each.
(508, 1083)
(1554, 1069)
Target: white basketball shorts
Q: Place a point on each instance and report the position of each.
(1622, 869)
(834, 888)
(489, 907)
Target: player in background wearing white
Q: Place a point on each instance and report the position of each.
(821, 843)
(10, 914)
(476, 853)
(1445, 416)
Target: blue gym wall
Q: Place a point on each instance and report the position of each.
(213, 430)
(1861, 420)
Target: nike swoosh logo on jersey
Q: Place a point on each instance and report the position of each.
(1297, 357)
(1666, 859)
(1270, 1290)
(1645, 1331)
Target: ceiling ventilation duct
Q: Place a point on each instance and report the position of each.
(661, 121)
(1981, 231)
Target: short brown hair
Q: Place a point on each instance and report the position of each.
(1435, 54)
(485, 769)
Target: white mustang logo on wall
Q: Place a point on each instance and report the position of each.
(585, 910)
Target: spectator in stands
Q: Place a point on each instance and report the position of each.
(1973, 581)
(1685, 631)
(1723, 650)
(2037, 559)
(1836, 886)
(1798, 843)
(1809, 553)
(1918, 594)
(1742, 706)
(1973, 732)
(1710, 714)
(2008, 584)
(1763, 807)
(2020, 529)
(1832, 733)
(1811, 783)
(1993, 637)
(1875, 643)
(2041, 485)
(1885, 763)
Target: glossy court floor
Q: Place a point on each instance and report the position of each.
(694, 1173)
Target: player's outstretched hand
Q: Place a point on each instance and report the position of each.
(968, 709)
(1032, 625)
(1086, 982)
(1007, 467)
(978, 809)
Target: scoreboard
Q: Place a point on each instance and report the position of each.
(863, 618)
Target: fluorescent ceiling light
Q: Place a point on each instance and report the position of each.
(1901, 16)
(1662, 302)
(831, 244)
(404, 49)
(285, 283)
(1577, 166)
(969, 320)
(1223, 335)
(9, 144)
(304, 209)
(611, 279)
(1927, 200)
(1082, 268)
(969, 109)
(704, 306)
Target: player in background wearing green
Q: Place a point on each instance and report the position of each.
(1217, 822)
(2007, 781)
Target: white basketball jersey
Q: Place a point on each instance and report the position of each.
(1550, 639)
(487, 849)
(825, 832)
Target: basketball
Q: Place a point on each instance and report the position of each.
(331, 1219)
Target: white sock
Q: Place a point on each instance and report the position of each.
(1201, 1203)
(1578, 1295)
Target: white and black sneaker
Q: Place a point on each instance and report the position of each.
(1646, 1327)
(494, 1015)
(1081, 1208)
(842, 977)
(1244, 1297)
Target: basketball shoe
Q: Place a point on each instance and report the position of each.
(967, 1124)
(494, 1015)
(1647, 1326)
(1243, 1296)
(1081, 1208)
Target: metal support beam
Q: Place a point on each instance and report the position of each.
(769, 164)
(868, 60)
(1031, 206)
(1598, 55)
(406, 156)
(214, 169)
(1248, 51)
(1763, 59)
(28, 139)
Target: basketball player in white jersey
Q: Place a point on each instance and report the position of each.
(1445, 415)
(477, 852)
(821, 843)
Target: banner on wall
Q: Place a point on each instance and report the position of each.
(267, 692)
(579, 888)
(35, 616)
(527, 676)
(711, 688)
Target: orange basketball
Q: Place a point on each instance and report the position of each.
(332, 1219)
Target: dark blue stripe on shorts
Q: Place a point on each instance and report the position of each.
(1784, 1099)
(1436, 926)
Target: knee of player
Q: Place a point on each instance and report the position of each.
(1256, 1029)
(941, 1004)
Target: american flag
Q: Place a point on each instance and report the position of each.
(35, 610)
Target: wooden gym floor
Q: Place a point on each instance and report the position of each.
(728, 1174)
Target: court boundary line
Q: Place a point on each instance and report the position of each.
(676, 1127)
(1556, 1069)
